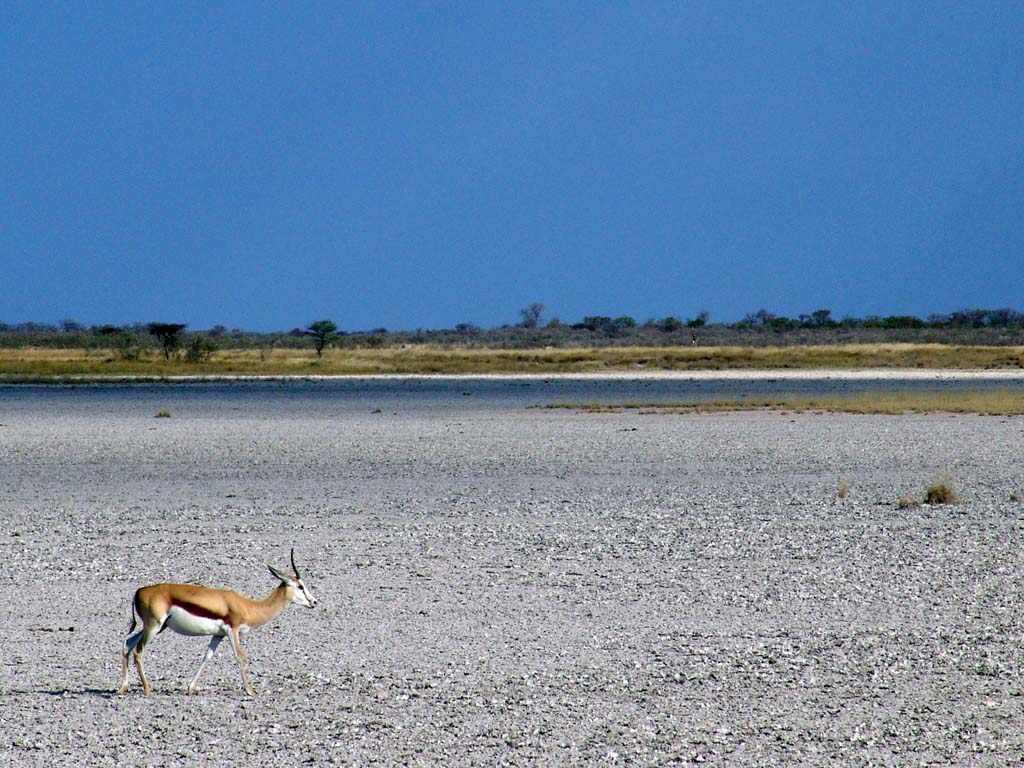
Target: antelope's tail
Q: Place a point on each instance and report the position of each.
(131, 611)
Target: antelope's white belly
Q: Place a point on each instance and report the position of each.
(185, 623)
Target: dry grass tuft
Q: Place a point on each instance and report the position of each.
(163, 413)
(905, 502)
(842, 490)
(941, 492)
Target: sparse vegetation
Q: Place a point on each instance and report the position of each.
(968, 339)
(938, 492)
(163, 413)
(986, 402)
(842, 490)
(200, 350)
(149, 360)
(127, 346)
(760, 329)
(941, 492)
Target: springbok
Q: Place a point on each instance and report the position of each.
(190, 609)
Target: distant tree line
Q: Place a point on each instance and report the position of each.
(822, 318)
(535, 330)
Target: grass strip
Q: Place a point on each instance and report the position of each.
(985, 402)
(42, 364)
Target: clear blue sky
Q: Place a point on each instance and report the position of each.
(423, 164)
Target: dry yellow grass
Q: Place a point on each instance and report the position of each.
(45, 363)
(986, 402)
(941, 492)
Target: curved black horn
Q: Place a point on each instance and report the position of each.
(295, 568)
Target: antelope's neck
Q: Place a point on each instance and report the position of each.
(268, 608)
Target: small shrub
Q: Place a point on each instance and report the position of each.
(126, 344)
(842, 490)
(200, 349)
(163, 413)
(940, 492)
(905, 502)
(1015, 497)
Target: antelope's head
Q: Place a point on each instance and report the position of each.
(297, 590)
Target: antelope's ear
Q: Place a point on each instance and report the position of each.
(280, 574)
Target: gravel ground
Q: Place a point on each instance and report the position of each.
(517, 587)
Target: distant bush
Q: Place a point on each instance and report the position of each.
(901, 321)
(200, 349)
(126, 344)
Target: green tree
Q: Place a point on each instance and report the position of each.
(531, 314)
(596, 322)
(322, 332)
(822, 318)
(699, 321)
(168, 335)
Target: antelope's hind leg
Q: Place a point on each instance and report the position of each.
(126, 649)
(140, 645)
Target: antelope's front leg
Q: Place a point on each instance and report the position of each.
(237, 645)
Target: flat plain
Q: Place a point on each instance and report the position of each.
(500, 585)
